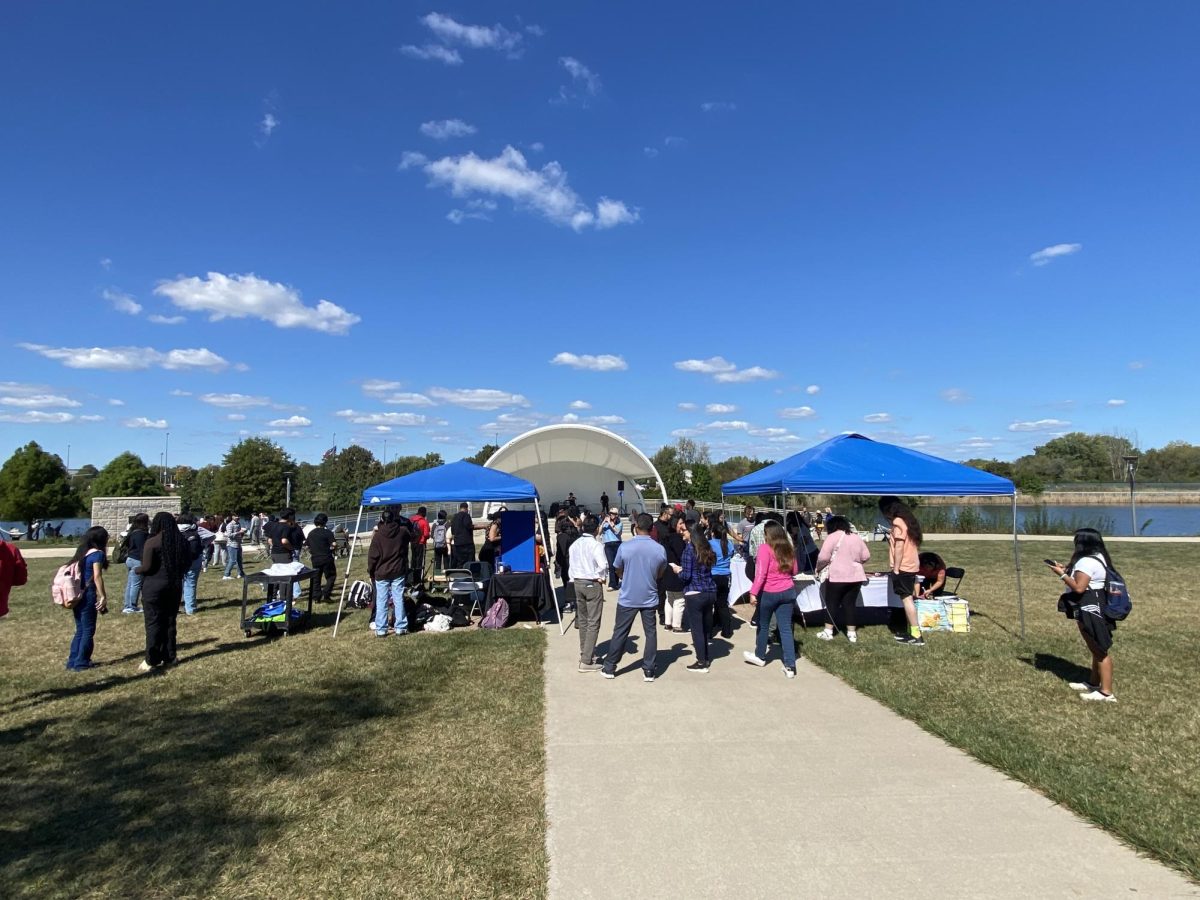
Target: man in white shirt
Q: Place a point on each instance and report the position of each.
(588, 565)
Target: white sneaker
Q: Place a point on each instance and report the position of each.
(372, 626)
(1099, 695)
(1083, 687)
(144, 666)
(789, 672)
(750, 657)
(227, 578)
(852, 637)
(824, 635)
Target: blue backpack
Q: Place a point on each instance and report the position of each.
(1116, 604)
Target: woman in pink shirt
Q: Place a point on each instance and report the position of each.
(904, 552)
(843, 553)
(776, 591)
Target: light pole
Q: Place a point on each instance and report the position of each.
(1131, 462)
(288, 496)
(166, 458)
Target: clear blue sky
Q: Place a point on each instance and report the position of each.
(964, 227)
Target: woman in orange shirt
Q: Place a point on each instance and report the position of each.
(904, 548)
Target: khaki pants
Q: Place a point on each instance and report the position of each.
(589, 600)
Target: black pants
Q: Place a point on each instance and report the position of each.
(328, 569)
(700, 618)
(416, 576)
(161, 612)
(724, 613)
(610, 550)
(441, 557)
(621, 628)
(841, 599)
(460, 556)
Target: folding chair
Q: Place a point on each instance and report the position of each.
(954, 572)
(465, 588)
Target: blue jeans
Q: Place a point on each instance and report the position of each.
(233, 556)
(781, 606)
(133, 586)
(85, 632)
(190, 577)
(390, 590)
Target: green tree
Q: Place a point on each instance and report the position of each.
(252, 476)
(1176, 462)
(406, 465)
(345, 474)
(81, 484)
(34, 484)
(197, 488)
(126, 476)
(308, 491)
(484, 454)
(995, 466)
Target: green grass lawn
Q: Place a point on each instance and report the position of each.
(1131, 766)
(301, 766)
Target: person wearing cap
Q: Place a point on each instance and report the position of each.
(611, 533)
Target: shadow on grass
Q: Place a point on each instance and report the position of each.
(978, 614)
(150, 796)
(1056, 665)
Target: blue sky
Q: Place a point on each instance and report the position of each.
(961, 227)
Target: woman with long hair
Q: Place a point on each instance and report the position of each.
(723, 548)
(699, 593)
(670, 583)
(774, 593)
(491, 543)
(842, 552)
(166, 561)
(1085, 577)
(904, 551)
(139, 528)
(92, 557)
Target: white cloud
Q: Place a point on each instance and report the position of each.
(726, 425)
(37, 401)
(129, 359)
(1047, 255)
(604, 420)
(282, 432)
(178, 393)
(234, 401)
(1136, 364)
(143, 422)
(955, 395)
(754, 373)
(812, 389)
(718, 106)
(602, 363)
(710, 366)
(37, 417)
(374, 386)
(686, 407)
(510, 423)
(477, 37)
(976, 443)
(684, 432)
(121, 302)
(650, 152)
(291, 422)
(91, 418)
(537, 146)
(674, 140)
(236, 417)
(437, 52)
(406, 398)
(768, 432)
(477, 398)
(1039, 425)
(785, 439)
(458, 216)
(579, 404)
(544, 191)
(411, 159)
(113, 401)
(248, 296)
(268, 124)
(106, 264)
(797, 412)
(720, 408)
(408, 420)
(166, 320)
(877, 418)
(585, 83)
(443, 129)
(1109, 403)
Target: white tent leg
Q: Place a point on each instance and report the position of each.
(537, 520)
(349, 563)
(1017, 559)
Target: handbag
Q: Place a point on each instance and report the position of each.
(823, 575)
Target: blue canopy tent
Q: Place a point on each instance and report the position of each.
(854, 464)
(454, 482)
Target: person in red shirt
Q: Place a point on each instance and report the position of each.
(420, 525)
(13, 572)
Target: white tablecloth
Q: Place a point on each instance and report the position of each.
(877, 592)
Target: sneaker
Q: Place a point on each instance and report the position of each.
(227, 578)
(900, 637)
(698, 667)
(648, 677)
(789, 672)
(852, 637)
(911, 641)
(1083, 687)
(372, 626)
(1099, 695)
(590, 667)
(752, 658)
(144, 666)
(127, 611)
(608, 674)
(824, 635)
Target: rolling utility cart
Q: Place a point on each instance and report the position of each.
(283, 592)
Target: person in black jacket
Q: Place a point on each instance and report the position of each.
(139, 530)
(321, 543)
(670, 584)
(387, 566)
(567, 535)
(166, 558)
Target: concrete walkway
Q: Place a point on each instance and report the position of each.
(740, 783)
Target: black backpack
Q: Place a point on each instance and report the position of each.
(122, 552)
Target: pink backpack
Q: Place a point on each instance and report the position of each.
(497, 614)
(67, 588)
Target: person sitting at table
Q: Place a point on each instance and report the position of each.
(843, 553)
(931, 576)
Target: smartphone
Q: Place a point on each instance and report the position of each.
(1050, 562)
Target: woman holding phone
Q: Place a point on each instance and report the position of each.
(1083, 601)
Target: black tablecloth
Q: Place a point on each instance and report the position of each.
(530, 587)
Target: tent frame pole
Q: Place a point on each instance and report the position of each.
(537, 520)
(349, 563)
(1017, 560)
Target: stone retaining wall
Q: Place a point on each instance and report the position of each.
(113, 512)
